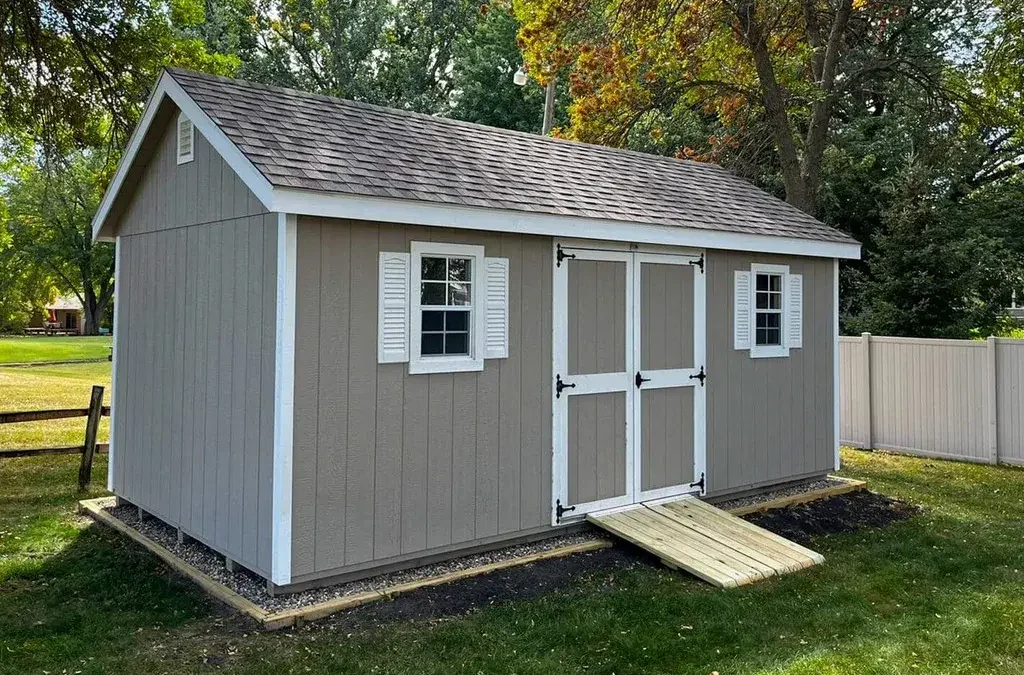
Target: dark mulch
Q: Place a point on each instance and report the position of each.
(845, 513)
(515, 583)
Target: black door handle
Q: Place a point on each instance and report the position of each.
(640, 379)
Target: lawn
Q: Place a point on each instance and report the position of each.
(46, 388)
(63, 348)
(940, 593)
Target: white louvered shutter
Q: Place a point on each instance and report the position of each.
(186, 135)
(496, 308)
(795, 311)
(393, 308)
(741, 311)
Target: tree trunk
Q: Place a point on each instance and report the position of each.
(93, 313)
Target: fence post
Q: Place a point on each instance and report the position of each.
(92, 426)
(865, 395)
(991, 387)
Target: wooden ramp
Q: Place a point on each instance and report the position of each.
(712, 544)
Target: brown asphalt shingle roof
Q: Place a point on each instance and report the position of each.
(313, 142)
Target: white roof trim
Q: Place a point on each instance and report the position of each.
(167, 86)
(336, 205)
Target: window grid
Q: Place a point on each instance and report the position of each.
(768, 304)
(446, 305)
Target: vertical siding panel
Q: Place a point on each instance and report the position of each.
(332, 438)
(224, 386)
(238, 316)
(124, 449)
(143, 467)
(414, 463)
(464, 444)
(362, 378)
(178, 326)
(509, 449)
(546, 376)
(307, 381)
(252, 409)
(213, 364)
(439, 460)
(387, 507)
(267, 389)
(188, 388)
(532, 508)
(488, 431)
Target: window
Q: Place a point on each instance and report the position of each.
(767, 310)
(186, 139)
(768, 304)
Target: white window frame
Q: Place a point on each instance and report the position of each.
(769, 351)
(420, 364)
(185, 159)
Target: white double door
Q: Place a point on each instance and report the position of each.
(629, 390)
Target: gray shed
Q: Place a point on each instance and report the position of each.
(385, 338)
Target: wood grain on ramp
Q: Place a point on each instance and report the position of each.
(709, 543)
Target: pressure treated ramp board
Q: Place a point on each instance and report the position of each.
(709, 543)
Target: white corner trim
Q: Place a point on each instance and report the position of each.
(835, 360)
(284, 402)
(337, 205)
(113, 365)
(167, 86)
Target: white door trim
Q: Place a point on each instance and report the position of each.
(596, 383)
(671, 378)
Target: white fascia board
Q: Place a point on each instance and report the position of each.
(408, 212)
(167, 86)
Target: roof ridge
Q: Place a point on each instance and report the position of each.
(498, 131)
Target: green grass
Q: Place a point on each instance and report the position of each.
(47, 388)
(940, 593)
(62, 348)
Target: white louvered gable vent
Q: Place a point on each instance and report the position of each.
(496, 320)
(795, 310)
(393, 313)
(186, 139)
(741, 310)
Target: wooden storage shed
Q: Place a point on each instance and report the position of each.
(388, 338)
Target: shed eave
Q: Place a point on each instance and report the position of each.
(432, 214)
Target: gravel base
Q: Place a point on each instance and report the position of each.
(776, 494)
(254, 588)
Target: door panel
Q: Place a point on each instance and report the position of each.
(596, 316)
(666, 438)
(597, 447)
(666, 316)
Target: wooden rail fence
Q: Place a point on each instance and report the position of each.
(88, 449)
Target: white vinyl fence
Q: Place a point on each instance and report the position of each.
(955, 399)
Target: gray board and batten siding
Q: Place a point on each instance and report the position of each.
(194, 389)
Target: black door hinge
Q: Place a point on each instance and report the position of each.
(640, 379)
(559, 510)
(699, 483)
(699, 263)
(562, 255)
(700, 376)
(559, 386)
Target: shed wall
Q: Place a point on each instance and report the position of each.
(770, 419)
(387, 464)
(194, 375)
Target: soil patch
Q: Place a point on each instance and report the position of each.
(845, 513)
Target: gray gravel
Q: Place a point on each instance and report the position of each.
(776, 494)
(254, 587)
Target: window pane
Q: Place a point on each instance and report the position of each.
(774, 336)
(775, 282)
(433, 268)
(458, 269)
(433, 293)
(761, 336)
(775, 300)
(458, 294)
(774, 320)
(762, 320)
(762, 300)
(456, 343)
(433, 321)
(762, 282)
(456, 321)
(432, 343)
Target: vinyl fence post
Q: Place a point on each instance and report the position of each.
(92, 426)
(865, 395)
(992, 428)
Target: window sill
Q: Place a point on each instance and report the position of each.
(769, 352)
(443, 364)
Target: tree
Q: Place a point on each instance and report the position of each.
(49, 213)
(76, 71)
(786, 69)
